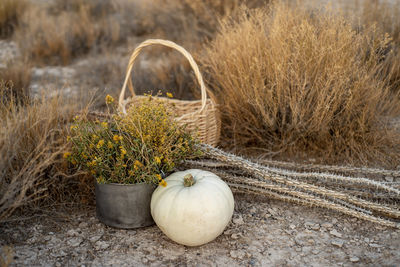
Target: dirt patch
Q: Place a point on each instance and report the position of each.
(262, 232)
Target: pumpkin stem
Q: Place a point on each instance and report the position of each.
(188, 180)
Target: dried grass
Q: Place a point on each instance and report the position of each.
(384, 15)
(32, 141)
(10, 15)
(189, 23)
(303, 84)
(14, 82)
(55, 38)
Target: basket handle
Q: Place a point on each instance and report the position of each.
(170, 44)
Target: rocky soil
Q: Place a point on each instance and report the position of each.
(262, 232)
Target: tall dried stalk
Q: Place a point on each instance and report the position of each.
(288, 186)
(346, 170)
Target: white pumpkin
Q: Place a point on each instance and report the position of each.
(194, 208)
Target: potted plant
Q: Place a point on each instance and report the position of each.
(128, 155)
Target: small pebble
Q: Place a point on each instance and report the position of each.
(373, 245)
(100, 245)
(237, 254)
(327, 225)
(337, 242)
(389, 179)
(72, 232)
(335, 233)
(151, 257)
(95, 238)
(308, 224)
(267, 215)
(354, 259)
(272, 211)
(83, 225)
(234, 236)
(75, 242)
(238, 220)
(315, 227)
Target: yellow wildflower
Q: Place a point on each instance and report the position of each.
(100, 143)
(92, 163)
(170, 95)
(101, 180)
(163, 183)
(66, 155)
(157, 160)
(159, 177)
(73, 127)
(91, 145)
(94, 136)
(123, 151)
(138, 164)
(73, 161)
(131, 172)
(105, 125)
(117, 138)
(68, 138)
(109, 99)
(124, 165)
(109, 144)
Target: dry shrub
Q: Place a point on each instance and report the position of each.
(384, 15)
(95, 7)
(14, 81)
(301, 83)
(190, 21)
(10, 14)
(53, 38)
(32, 141)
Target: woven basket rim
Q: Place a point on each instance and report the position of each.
(128, 82)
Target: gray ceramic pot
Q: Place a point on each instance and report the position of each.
(124, 206)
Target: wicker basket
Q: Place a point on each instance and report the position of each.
(199, 116)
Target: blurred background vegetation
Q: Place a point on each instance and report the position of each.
(306, 81)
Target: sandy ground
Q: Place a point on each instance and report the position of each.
(263, 232)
